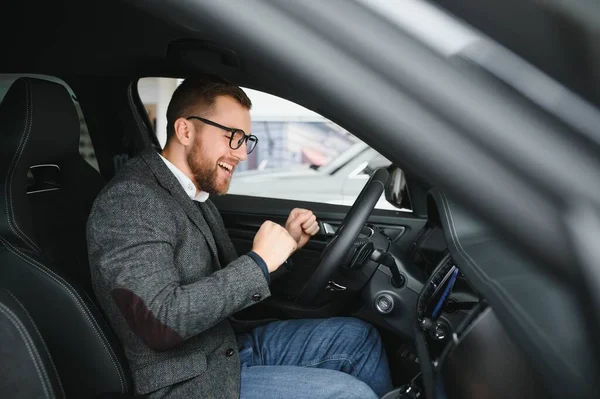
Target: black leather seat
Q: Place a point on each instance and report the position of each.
(43, 257)
(27, 369)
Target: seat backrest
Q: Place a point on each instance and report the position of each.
(52, 187)
(27, 369)
(43, 256)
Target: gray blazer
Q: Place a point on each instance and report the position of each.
(154, 259)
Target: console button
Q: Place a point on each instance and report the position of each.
(384, 303)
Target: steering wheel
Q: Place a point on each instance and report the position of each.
(346, 234)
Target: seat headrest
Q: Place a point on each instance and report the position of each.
(39, 125)
(39, 122)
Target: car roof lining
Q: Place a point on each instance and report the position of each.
(114, 38)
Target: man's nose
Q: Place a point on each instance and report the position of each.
(241, 153)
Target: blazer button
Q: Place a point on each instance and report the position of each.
(256, 297)
(229, 352)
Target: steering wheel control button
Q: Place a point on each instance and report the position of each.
(384, 303)
(229, 352)
(256, 297)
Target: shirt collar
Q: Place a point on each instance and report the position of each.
(187, 184)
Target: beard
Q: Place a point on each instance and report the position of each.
(206, 175)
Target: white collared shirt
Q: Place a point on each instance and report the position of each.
(187, 184)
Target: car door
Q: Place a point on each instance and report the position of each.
(243, 215)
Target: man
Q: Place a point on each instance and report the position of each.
(168, 277)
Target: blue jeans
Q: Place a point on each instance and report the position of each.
(321, 358)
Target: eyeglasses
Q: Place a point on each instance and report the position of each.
(237, 138)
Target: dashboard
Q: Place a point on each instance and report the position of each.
(485, 321)
(538, 314)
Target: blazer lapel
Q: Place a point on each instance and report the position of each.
(171, 184)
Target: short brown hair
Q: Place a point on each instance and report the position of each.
(197, 95)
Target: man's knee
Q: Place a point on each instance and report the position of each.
(360, 325)
(348, 387)
(361, 330)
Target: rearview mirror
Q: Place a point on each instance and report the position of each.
(396, 191)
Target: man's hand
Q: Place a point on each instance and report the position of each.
(274, 244)
(302, 224)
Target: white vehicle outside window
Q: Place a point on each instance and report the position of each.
(300, 155)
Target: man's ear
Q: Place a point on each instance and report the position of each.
(183, 131)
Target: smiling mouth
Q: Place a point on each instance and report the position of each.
(225, 166)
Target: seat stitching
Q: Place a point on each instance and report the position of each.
(42, 340)
(27, 127)
(496, 287)
(7, 187)
(15, 161)
(75, 296)
(29, 344)
(9, 200)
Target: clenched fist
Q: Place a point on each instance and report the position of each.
(302, 224)
(274, 244)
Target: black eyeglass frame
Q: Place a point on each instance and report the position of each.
(232, 131)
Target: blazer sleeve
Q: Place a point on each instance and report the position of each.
(131, 235)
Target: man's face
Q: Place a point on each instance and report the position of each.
(210, 158)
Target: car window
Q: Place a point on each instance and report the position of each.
(86, 149)
(300, 156)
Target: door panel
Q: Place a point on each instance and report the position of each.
(243, 216)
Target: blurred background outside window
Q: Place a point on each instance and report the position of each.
(301, 155)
